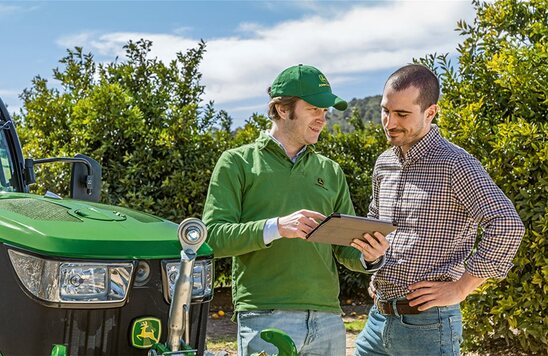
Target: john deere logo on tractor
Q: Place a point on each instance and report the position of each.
(146, 332)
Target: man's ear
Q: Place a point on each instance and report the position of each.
(282, 111)
(431, 112)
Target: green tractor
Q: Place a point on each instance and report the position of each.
(82, 278)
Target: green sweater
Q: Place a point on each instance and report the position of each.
(255, 182)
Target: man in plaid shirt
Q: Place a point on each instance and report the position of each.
(438, 195)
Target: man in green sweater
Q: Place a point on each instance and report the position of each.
(263, 199)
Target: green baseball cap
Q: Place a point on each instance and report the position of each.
(307, 83)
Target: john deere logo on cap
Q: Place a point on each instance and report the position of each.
(146, 332)
(323, 81)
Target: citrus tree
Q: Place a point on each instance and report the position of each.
(143, 120)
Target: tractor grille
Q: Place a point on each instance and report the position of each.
(37, 209)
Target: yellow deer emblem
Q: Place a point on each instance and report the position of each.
(146, 334)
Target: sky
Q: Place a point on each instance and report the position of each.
(356, 44)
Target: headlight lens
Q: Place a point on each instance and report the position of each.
(72, 282)
(202, 279)
(82, 281)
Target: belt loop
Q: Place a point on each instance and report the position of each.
(394, 303)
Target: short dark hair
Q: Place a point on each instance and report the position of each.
(288, 102)
(419, 76)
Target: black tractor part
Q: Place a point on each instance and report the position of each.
(30, 328)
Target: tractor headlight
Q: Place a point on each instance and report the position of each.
(83, 282)
(66, 283)
(202, 279)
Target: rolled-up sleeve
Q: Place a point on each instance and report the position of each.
(501, 226)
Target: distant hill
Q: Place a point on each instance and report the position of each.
(367, 109)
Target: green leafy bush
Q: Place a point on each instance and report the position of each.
(140, 118)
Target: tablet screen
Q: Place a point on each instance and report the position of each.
(341, 229)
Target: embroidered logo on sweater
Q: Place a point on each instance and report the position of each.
(320, 182)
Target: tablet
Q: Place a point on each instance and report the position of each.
(341, 229)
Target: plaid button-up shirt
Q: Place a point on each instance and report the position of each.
(438, 195)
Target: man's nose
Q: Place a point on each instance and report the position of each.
(322, 115)
(388, 121)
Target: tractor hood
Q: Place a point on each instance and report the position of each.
(78, 229)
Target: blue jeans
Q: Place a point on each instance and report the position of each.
(436, 331)
(313, 332)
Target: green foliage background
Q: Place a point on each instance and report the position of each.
(358, 113)
(140, 118)
(146, 124)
